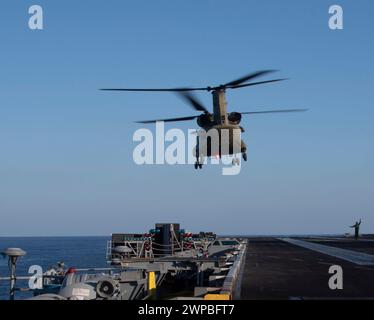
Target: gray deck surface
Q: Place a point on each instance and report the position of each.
(275, 269)
(360, 258)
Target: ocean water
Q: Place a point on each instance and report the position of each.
(78, 252)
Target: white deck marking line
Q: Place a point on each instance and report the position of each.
(321, 239)
(360, 258)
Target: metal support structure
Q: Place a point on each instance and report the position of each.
(13, 254)
(232, 281)
(220, 106)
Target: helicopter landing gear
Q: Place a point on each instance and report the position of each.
(236, 162)
(198, 165)
(245, 158)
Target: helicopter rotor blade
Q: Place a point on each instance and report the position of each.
(275, 111)
(156, 90)
(168, 120)
(238, 83)
(256, 83)
(248, 77)
(193, 101)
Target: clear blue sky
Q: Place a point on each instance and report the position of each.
(66, 148)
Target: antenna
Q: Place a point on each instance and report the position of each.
(13, 254)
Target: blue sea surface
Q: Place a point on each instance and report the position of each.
(78, 252)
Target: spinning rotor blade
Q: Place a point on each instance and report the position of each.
(238, 83)
(255, 83)
(158, 90)
(193, 101)
(168, 120)
(248, 77)
(275, 111)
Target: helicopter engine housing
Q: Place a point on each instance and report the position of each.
(234, 117)
(204, 120)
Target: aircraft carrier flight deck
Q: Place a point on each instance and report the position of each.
(298, 268)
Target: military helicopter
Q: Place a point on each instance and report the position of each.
(220, 119)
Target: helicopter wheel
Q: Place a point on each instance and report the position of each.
(196, 165)
(235, 162)
(200, 165)
(245, 158)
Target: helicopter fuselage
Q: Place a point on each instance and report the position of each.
(221, 132)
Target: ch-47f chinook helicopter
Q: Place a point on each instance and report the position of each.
(220, 119)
